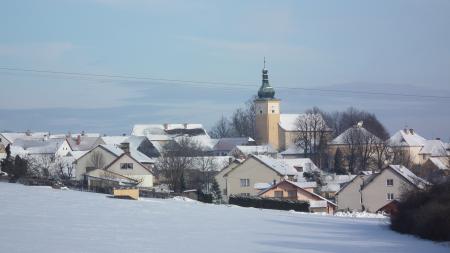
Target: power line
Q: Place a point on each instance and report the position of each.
(216, 83)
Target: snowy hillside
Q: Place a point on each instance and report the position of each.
(40, 219)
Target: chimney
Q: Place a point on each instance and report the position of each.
(411, 131)
(82, 133)
(406, 131)
(28, 132)
(166, 126)
(274, 182)
(185, 125)
(78, 140)
(125, 146)
(230, 160)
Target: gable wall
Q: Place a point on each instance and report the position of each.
(85, 161)
(349, 198)
(253, 170)
(374, 195)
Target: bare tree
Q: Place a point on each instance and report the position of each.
(175, 160)
(222, 128)
(206, 165)
(401, 156)
(311, 136)
(381, 153)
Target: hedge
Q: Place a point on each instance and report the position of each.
(425, 213)
(269, 203)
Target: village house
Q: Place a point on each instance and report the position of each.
(371, 192)
(291, 190)
(351, 140)
(245, 178)
(125, 166)
(409, 142)
(102, 155)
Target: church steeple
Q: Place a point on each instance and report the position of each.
(265, 91)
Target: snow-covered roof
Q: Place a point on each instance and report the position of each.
(440, 163)
(205, 142)
(162, 129)
(409, 176)
(295, 184)
(293, 150)
(337, 179)
(217, 162)
(85, 143)
(76, 154)
(227, 144)
(306, 184)
(136, 154)
(330, 187)
(114, 140)
(12, 136)
(342, 139)
(406, 138)
(306, 164)
(434, 148)
(38, 146)
(288, 122)
(74, 135)
(256, 150)
(279, 165)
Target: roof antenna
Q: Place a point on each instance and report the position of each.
(264, 62)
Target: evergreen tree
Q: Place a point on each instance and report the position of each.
(216, 190)
(338, 163)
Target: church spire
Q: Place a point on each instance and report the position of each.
(265, 91)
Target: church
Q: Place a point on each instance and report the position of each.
(271, 126)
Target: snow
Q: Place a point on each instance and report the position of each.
(406, 137)
(35, 219)
(439, 163)
(434, 148)
(255, 150)
(343, 138)
(360, 215)
(288, 122)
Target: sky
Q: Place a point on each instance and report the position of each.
(385, 46)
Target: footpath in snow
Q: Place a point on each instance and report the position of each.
(41, 219)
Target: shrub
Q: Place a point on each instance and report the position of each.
(266, 203)
(425, 213)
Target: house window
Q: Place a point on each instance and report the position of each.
(390, 182)
(260, 111)
(278, 194)
(390, 196)
(245, 194)
(245, 182)
(299, 168)
(126, 166)
(88, 169)
(292, 194)
(273, 111)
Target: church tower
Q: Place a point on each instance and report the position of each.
(267, 113)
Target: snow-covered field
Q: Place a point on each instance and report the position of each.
(41, 219)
